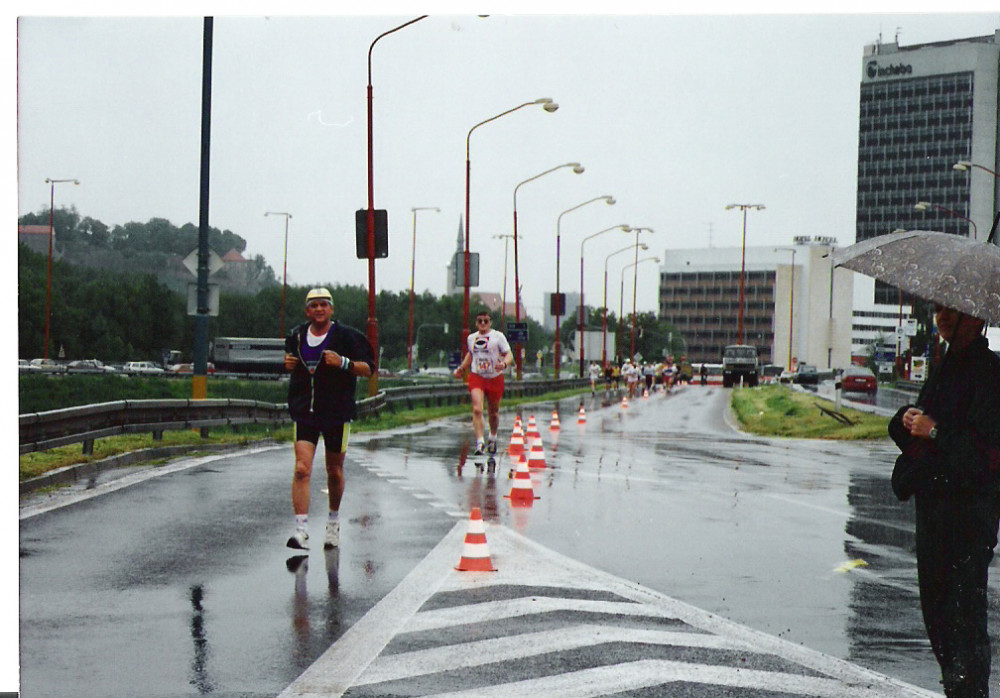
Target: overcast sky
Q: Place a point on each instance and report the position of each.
(674, 116)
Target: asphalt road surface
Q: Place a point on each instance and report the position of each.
(791, 556)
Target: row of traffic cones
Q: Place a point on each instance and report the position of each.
(476, 552)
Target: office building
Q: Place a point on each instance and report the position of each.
(794, 312)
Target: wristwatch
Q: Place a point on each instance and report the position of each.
(933, 432)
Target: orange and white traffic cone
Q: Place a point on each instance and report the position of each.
(516, 440)
(532, 435)
(476, 553)
(554, 424)
(624, 402)
(522, 493)
(536, 456)
(581, 417)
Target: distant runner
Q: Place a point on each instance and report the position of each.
(489, 355)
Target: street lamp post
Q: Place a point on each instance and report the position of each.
(372, 327)
(284, 271)
(604, 319)
(635, 277)
(625, 229)
(610, 201)
(48, 273)
(413, 269)
(743, 258)
(924, 205)
(791, 302)
(635, 267)
(503, 313)
(549, 106)
(577, 169)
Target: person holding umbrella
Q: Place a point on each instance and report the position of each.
(949, 440)
(950, 465)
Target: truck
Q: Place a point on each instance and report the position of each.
(740, 362)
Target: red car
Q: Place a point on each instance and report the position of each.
(858, 379)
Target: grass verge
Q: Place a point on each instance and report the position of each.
(777, 410)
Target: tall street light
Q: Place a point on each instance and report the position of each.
(743, 262)
(413, 269)
(610, 201)
(635, 277)
(549, 106)
(577, 169)
(284, 271)
(791, 302)
(625, 229)
(635, 267)
(48, 274)
(503, 313)
(372, 328)
(925, 205)
(962, 166)
(604, 319)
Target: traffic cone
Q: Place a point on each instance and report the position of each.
(516, 440)
(554, 424)
(645, 393)
(581, 417)
(476, 553)
(624, 402)
(536, 456)
(522, 494)
(532, 435)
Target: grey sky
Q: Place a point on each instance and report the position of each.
(675, 116)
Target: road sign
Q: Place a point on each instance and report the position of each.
(215, 262)
(517, 332)
(213, 300)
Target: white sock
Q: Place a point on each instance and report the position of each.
(333, 516)
(302, 521)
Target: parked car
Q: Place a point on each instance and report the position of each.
(189, 368)
(807, 374)
(857, 379)
(24, 366)
(50, 365)
(147, 367)
(786, 377)
(90, 366)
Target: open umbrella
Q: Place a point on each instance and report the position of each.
(952, 270)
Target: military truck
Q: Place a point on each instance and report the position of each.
(740, 362)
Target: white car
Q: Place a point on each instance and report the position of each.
(90, 365)
(49, 365)
(142, 367)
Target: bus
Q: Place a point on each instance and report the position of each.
(249, 354)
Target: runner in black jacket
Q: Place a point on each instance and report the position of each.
(325, 359)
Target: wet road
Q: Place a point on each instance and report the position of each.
(181, 585)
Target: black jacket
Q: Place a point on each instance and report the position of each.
(963, 398)
(329, 391)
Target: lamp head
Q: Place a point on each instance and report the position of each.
(578, 168)
(643, 246)
(609, 200)
(922, 205)
(961, 165)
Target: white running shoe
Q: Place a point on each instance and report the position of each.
(299, 539)
(332, 539)
(492, 447)
(480, 449)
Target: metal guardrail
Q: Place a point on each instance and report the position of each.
(40, 431)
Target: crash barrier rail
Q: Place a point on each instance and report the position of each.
(40, 431)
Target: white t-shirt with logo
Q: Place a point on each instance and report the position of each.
(487, 350)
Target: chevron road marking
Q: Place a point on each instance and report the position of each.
(470, 654)
(646, 673)
(550, 586)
